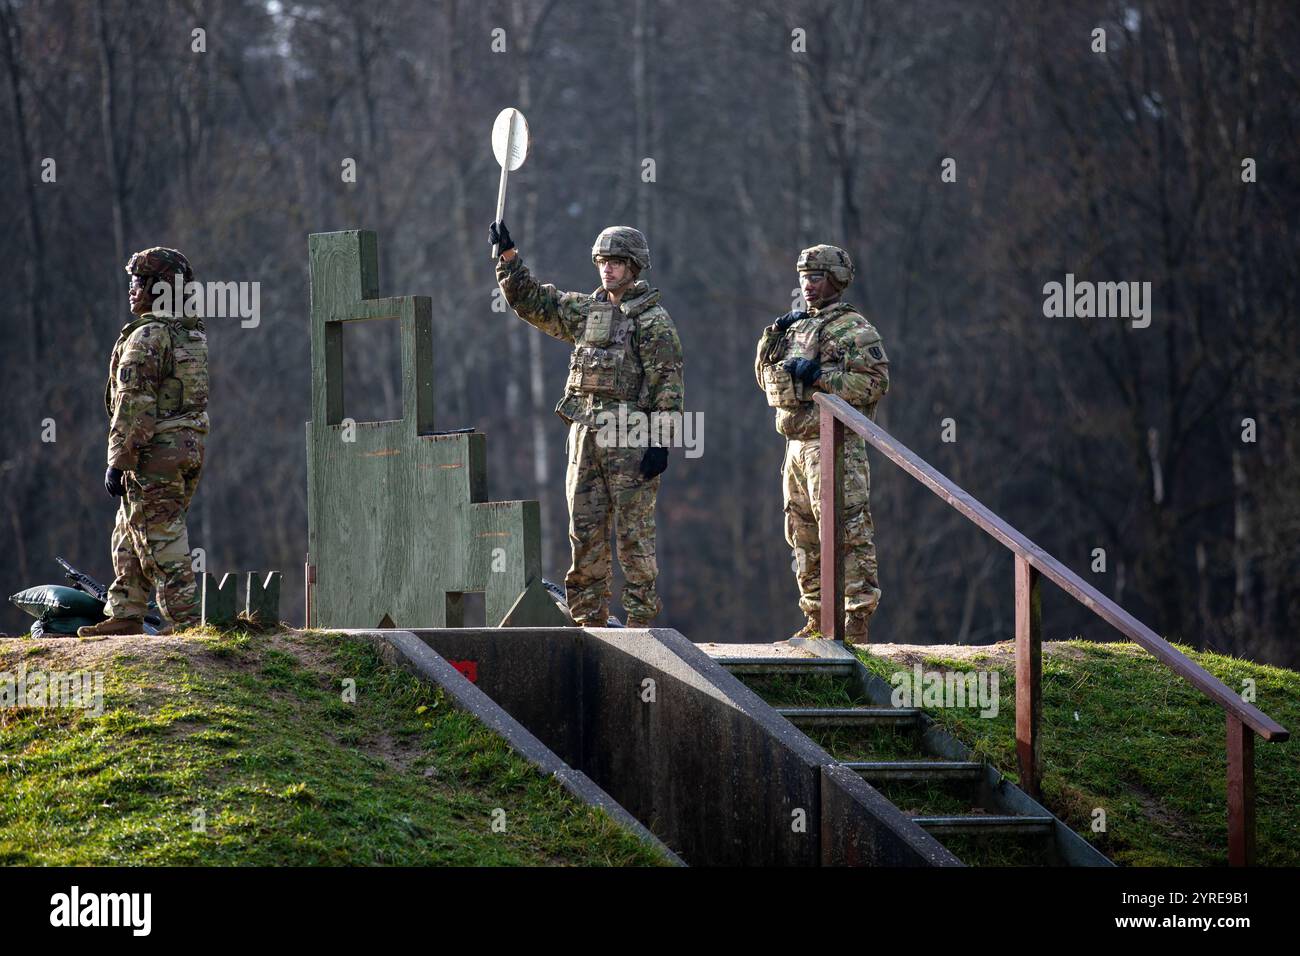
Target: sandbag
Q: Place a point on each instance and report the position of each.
(62, 627)
(52, 602)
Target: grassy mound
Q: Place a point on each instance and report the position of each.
(1122, 734)
(242, 749)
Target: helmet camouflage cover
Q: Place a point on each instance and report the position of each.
(160, 262)
(830, 259)
(622, 242)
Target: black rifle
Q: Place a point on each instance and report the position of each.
(562, 600)
(85, 582)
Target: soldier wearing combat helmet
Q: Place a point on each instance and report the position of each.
(829, 347)
(157, 404)
(626, 355)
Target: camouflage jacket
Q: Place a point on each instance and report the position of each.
(852, 357)
(157, 381)
(651, 379)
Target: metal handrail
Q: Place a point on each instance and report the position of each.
(1243, 719)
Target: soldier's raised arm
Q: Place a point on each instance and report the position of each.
(138, 373)
(543, 306)
(861, 377)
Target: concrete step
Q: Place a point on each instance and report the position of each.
(940, 771)
(985, 823)
(850, 716)
(786, 666)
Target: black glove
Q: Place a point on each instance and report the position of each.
(499, 236)
(113, 482)
(654, 462)
(789, 319)
(805, 370)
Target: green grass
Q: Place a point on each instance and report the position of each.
(804, 690)
(1122, 734)
(240, 749)
(868, 743)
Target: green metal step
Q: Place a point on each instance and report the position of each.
(849, 716)
(982, 823)
(786, 666)
(881, 771)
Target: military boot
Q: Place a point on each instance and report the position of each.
(812, 629)
(114, 625)
(855, 629)
(638, 623)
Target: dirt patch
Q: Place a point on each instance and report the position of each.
(312, 655)
(88, 653)
(1002, 654)
(1160, 815)
(91, 653)
(397, 754)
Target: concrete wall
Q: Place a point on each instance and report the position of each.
(405, 650)
(685, 747)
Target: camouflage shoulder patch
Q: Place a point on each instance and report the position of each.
(146, 332)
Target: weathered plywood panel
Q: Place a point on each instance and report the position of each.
(396, 515)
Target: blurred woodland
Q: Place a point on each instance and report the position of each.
(1123, 166)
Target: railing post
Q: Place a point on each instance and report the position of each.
(309, 579)
(1029, 673)
(1241, 793)
(830, 530)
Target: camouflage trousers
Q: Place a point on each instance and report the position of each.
(603, 484)
(151, 547)
(803, 507)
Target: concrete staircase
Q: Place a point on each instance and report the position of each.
(930, 776)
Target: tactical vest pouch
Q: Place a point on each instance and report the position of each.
(596, 371)
(184, 392)
(169, 397)
(574, 408)
(599, 328)
(781, 389)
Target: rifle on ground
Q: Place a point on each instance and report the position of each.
(85, 582)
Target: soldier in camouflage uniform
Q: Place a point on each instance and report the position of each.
(829, 348)
(157, 404)
(626, 353)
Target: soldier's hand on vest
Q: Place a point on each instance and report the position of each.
(789, 319)
(654, 462)
(499, 236)
(113, 482)
(805, 370)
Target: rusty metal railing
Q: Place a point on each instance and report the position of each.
(1032, 564)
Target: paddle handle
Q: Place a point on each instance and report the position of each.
(505, 175)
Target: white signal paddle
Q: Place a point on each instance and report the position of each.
(510, 146)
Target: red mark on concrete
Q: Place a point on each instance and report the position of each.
(468, 668)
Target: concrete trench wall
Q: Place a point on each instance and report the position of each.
(405, 650)
(684, 747)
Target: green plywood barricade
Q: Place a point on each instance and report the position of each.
(398, 521)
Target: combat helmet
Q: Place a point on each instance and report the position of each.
(160, 262)
(623, 242)
(829, 259)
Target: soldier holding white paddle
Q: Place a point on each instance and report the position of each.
(626, 357)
